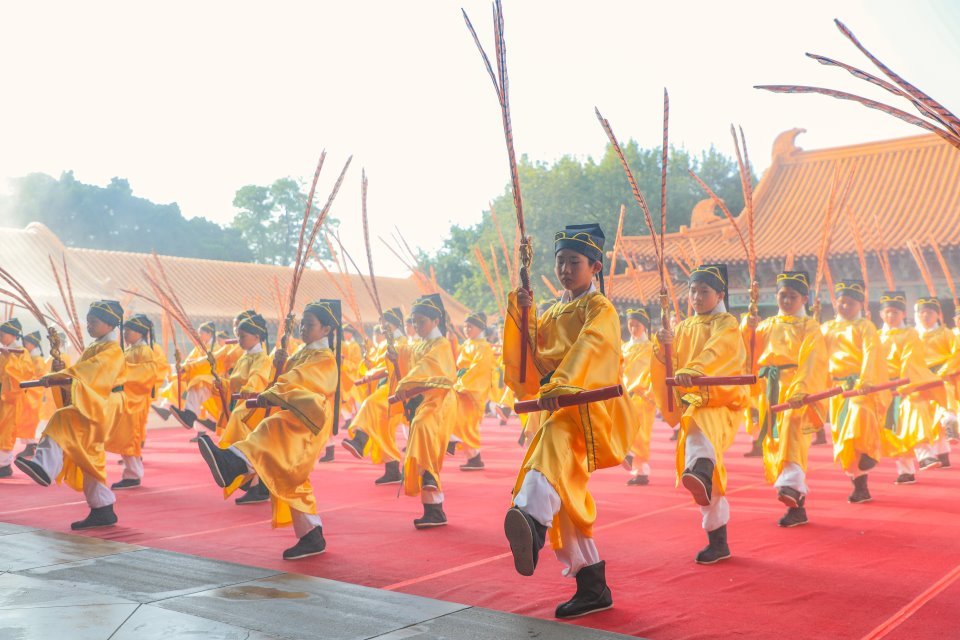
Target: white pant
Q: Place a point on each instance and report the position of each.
(132, 468)
(698, 446)
(50, 458)
(431, 496)
(793, 477)
(6, 458)
(195, 399)
(906, 464)
(303, 523)
(538, 499)
(639, 468)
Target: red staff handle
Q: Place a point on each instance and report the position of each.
(810, 399)
(668, 363)
(16, 350)
(926, 386)
(255, 403)
(231, 341)
(46, 382)
(373, 377)
(716, 381)
(394, 399)
(893, 384)
(572, 399)
(247, 395)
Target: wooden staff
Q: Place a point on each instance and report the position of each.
(886, 386)
(572, 399)
(46, 382)
(372, 377)
(926, 386)
(716, 381)
(809, 399)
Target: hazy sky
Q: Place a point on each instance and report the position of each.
(191, 100)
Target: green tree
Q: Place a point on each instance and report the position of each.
(269, 220)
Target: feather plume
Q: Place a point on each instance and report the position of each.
(486, 274)
(861, 251)
(617, 240)
(552, 289)
(917, 251)
(511, 274)
(496, 273)
(946, 272)
(726, 212)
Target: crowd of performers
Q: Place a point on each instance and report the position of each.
(414, 377)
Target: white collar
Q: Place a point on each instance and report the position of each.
(802, 314)
(887, 327)
(110, 336)
(434, 334)
(566, 294)
(257, 348)
(322, 343)
(135, 343)
(720, 308)
(645, 338)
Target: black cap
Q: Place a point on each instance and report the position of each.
(255, 324)
(139, 323)
(394, 316)
(585, 239)
(108, 311)
(850, 288)
(640, 315)
(12, 327)
(894, 299)
(712, 275)
(799, 281)
(477, 319)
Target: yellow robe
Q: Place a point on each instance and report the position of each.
(376, 417)
(145, 370)
(942, 351)
(48, 406)
(284, 447)
(352, 357)
(915, 421)
(476, 361)
(429, 364)
(28, 426)
(14, 411)
(855, 361)
(252, 373)
(82, 427)
(704, 345)
(639, 387)
(577, 345)
(198, 375)
(793, 349)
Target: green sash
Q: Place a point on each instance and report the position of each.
(772, 374)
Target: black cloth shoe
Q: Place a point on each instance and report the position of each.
(866, 463)
(905, 478)
(34, 470)
(506, 411)
(225, 465)
(195, 439)
(794, 517)
(522, 440)
(451, 448)
(209, 425)
(790, 497)
(328, 455)
(638, 481)
(99, 517)
(391, 473)
(163, 412)
(29, 451)
(433, 516)
(592, 594)
(698, 480)
(820, 438)
(929, 463)
(356, 444)
(944, 459)
(255, 495)
(128, 483)
(185, 418)
(717, 548)
(860, 491)
(6, 471)
(756, 450)
(526, 537)
(675, 435)
(473, 464)
(311, 544)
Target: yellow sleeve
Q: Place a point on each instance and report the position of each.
(434, 368)
(305, 388)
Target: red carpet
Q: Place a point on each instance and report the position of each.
(890, 568)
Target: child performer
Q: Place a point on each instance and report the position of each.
(145, 371)
(705, 344)
(350, 371)
(475, 365)
(856, 362)
(197, 379)
(911, 420)
(429, 404)
(792, 363)
(637, 352)
(71, 447)
(283, 448)
(16, 366)
(27, 431)
(942, 351)
(573, 347)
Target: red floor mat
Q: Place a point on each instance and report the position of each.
(843, 576)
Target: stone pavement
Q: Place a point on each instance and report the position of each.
(55, 585)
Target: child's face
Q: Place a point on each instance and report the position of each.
(574, 270)
(206, 336)
(130, 336)
(96, 327)
(928, 317)
(411, 328)
(247, 340)
(703, 298)
(6, 339)
(311, 329)
(472, 331)
(424, 325)
(790, 301)
(892, 316)
(636, 329)
(848, 308)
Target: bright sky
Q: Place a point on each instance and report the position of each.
(191, 100)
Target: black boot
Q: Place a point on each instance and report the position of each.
(472, 464)
(208, 424)
(522, 440)
(451, 448)
(790, 497)
(698, 480)
(126, 483)
(33, 470)
(638, 481)
(99, 517)
(391, 473)
(592, 593)
(906, 478)
(311, 544)
(6, 471)
(866, 463)
(944, 459)
(225, 465)
(433, 516)
(795, 516)
(756, 450)
(185, 418)
(29, 451)
(163, 412)
(526, 537)
(929, 463)
(820, 438)
(328, 454)
(860, 491)
(717, 550)
(255, 495)
(675, 435)
(356, 444)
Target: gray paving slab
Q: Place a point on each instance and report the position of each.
(306, 608)
(42, 548)
(7, 529)
(149, 575)
(483, 624)
(84, 622)
(153, 623)
(23, 592)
